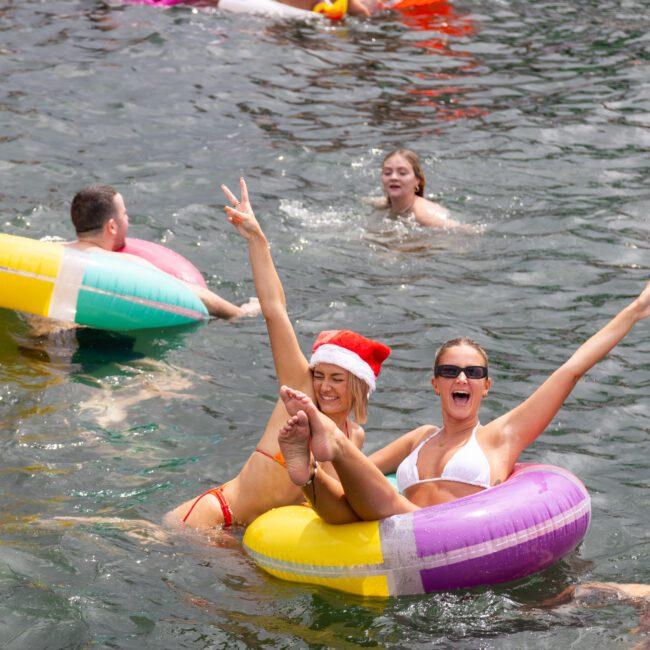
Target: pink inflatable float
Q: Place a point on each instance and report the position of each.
(165, 259)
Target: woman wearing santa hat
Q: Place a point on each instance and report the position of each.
(338, 377)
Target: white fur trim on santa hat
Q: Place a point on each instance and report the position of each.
(351, 361)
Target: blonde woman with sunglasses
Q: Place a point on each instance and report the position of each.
(435, 465)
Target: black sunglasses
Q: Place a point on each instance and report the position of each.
(450, 371)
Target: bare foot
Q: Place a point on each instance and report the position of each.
(293, 439)
(323, 430)
(294, 400)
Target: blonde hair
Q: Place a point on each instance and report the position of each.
(358, 397)
(461, 340)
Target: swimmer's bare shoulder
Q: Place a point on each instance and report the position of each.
(429, 213)
(433, 215)
(93, 248)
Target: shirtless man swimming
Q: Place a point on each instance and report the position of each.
(101, 222)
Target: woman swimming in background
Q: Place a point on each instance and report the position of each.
(403, 181)
(436, 465)
(339, 377)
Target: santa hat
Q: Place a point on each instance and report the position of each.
(357, 354)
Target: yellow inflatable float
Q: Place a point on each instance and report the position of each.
(52, 280)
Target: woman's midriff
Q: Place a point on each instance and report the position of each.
(437, 492)
(261, 485)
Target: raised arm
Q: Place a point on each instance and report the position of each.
(524, 423)
(290, 362)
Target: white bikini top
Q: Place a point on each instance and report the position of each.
(468, 465)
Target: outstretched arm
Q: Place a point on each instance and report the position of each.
(290, 363)
(524, 423)
(220, 307)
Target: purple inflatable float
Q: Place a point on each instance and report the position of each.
(532, 520)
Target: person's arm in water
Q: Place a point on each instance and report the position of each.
(217, 306)
(220, 307)
(290, 362)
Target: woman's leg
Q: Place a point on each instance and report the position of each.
(367, 491)
(323, 491)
